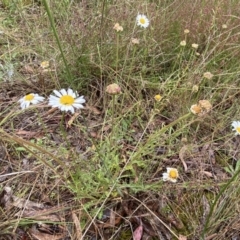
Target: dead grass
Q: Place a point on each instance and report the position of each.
(97, 174)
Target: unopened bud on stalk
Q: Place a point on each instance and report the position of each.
(113, 89)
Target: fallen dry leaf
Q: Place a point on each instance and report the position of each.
(40, 235)
(77, 225)
(181, 237)
(28, 134)
(41, 215)
(137, 234)
(50, 223)
(26, 204)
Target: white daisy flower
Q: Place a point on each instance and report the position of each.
(236, 127)
(142, 21)
(31, 98)
(171, 175)
(66, 100)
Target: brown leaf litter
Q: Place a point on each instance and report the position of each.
(49, 224)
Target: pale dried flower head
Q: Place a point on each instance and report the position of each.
(135, 41)
(195, 45)
(205, 105)
(195, 88)
(208, 75)
(186, 31)
(113, 89)
(184, 140)
(183, 43)
(118, 28)
(196, 109)
(224, 26)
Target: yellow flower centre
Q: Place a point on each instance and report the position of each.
(142, 21)
(238, 129)
(173, 174)
(44, 64)
(67, 100)
(158, 97)
(29, 97)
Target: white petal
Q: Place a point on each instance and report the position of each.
(66, 108)
(62, 108)
(34, 101)
(70, 108)
(25, 104)
(21, 100)
(53, 98)
(80, 100)
(54, 101)
(168, 169)
(22, 105)
(57, 93)
(63, 92)
(165, 176)
(173, 180)
(78, 105)
(39, 98)
(235, 124)
(70, 92)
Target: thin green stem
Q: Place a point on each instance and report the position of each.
(102, 20)
(113, 118)
(63, 129)
(117, 54)
(50, 17)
